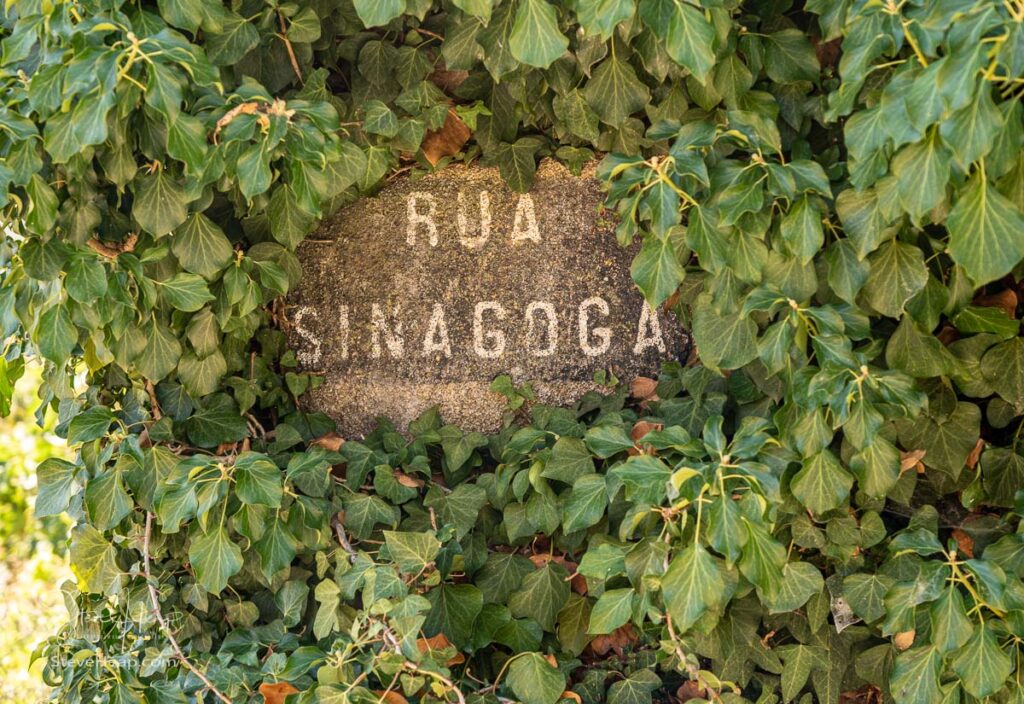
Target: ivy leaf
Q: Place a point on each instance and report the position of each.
(569, 461)
(201, 247)
(586, 504)
(258, 480)
(801, 229)
(160, 355)
(215, 559)
(658, 268)
(375, 13)
(789, 56)
(91, 424)
(635, 689)
(983, 667)
(86, 278)
(534, 680)
(600, 17)
(276, 548)
(614, 92)
(614, 608)
(725, 341)
(915, 676)
(822, 484)
(160, 203)
(453, 610)
(951, 628)
(518, 163)
(501, 575)
(202, 375)
(800, 581)
(897, 273)
(541, 596)
(986, 232)
(56, 481)
(692, 585)
(1003, 368)
(922, 171)
(236, 38)
(93, 560)
(106, 500)
(800, 661)
(412, 551)
(536, 39)
(186, 292)
(865, 593)
(56, 336)
(686, 32)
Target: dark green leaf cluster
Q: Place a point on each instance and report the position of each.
(829, 194)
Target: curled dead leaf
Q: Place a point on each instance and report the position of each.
(644, 389)
(641, 428)
(391, 696)
(408, 481)
(568, 694)
(615, 641)
(972, 459)
(331, 442)
(448, 140)
(448, 80)
(912, 460)
(440, 642)
(964, 542)
(904, 639)
(276, 692)
(691, 689)
(1006, 300)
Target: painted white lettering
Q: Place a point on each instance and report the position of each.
(310, 355)
(391, 334)
(551, 337)
(343, 332)
(524, 227)
(604, 335)
(648, 332)
(437, 339)
(488, 344)
(416, 218)
(485, 221)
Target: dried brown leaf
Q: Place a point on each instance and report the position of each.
(904, 639)
(276, 692)
(448, 140)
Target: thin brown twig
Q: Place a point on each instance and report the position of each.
(339, 530)
(288, 46)
(111, 250)
(155, 598)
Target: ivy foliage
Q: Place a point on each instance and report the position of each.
(829, 193)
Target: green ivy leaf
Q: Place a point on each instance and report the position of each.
(215, 558)
(986, 232)
(822, 484)
(541, 595)
(375, 13)
(258, 480)
(983, 667)
(412, 551)
(536, 39)
(692, 585)
(614, 608)
(534, 680)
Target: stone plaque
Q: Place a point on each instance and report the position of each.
(425, 293)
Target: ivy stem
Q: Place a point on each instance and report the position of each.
(155, 599)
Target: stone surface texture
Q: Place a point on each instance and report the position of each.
(423, 294)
